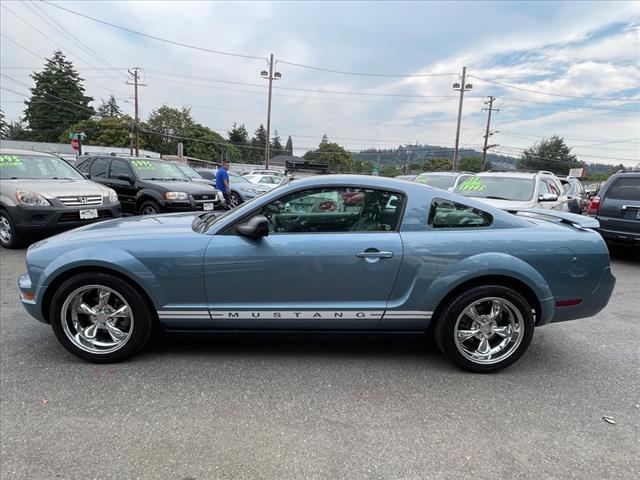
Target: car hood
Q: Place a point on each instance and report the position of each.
(204, 181)
(507, 204)
(178, 186)
(136, 228)
(50, 188)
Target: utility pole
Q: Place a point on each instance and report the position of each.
(487, 133)
(271, 76)
(136, 121)
(461, 87)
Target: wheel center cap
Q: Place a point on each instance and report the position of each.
(101, 318)
(485, 329)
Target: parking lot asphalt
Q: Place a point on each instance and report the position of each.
(282, 407)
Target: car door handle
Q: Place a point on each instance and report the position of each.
(374, 254)
(630, 207)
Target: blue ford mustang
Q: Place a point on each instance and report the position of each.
(348, 253)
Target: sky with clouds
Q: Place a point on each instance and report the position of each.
(584, 56)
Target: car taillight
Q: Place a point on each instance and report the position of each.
(594, 205)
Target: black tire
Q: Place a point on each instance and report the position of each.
(149, 207)
(446, 327)
(235, 199)
(9, 237)
(142, 325)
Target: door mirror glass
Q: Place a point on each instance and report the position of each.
(256, 227)
(548, 197)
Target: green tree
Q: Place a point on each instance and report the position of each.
(16, 131)
(4, 126)
(205, 144)
(239, 137)
(258, 145)
(108, 132)
(165, 128)
(276, 147)
(389, 171)
(551, 154)
(338, 159)
(288, 149)
(473, 164)
(109, 108)
(436, 164)
(57, 100)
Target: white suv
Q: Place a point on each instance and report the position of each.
(516, 189)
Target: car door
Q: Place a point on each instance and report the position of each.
(125, 189)
(326, 263)
(99, 171)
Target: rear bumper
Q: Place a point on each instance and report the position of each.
(591, 304)
(30, 221)
(618, 236)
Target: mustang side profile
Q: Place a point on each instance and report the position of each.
(327, 253)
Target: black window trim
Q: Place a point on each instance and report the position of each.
(436, 229)
(231, 228)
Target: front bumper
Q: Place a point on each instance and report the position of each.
(47, 220)
(193, 204)
(31, 297)
(591, 304)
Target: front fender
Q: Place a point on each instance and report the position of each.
(105, 257)
(149, 193)
(489, 264)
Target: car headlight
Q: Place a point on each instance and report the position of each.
(176, 196)
(113, 196)
(250, 190)
(31, 199)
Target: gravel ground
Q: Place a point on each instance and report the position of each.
(282, 407)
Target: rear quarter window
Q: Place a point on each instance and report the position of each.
(625, 189)
(448, 214)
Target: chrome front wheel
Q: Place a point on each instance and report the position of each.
(5, 230)
(97, 319)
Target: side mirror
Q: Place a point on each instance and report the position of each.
(548, 197)
(124, 177)
(85, 175)
(256, 227)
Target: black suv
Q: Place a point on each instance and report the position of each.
(148, 185)
(617, 208)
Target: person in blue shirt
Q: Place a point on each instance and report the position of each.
(222, 183)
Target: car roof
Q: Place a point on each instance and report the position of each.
(510, 174)
(443, 173)
(16, 151)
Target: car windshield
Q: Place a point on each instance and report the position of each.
(499, 188)
(157, 170)
(235, 178)
(36, 167)
(188, 171)
(434, 180)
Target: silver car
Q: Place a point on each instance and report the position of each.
(41, 194)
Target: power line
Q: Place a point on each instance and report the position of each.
(23, 48)
(632, 140)
(361, 74)
(580, 154)
(154, 37)
(48, 94)
(515, 87)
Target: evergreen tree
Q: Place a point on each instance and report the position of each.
(276, 147)
(239, 137)
(16, 131)
(258, 146)
(435, 164)
(338, 159)
(4, 126)
(109, 108)
(288, 149)
(57, 100)
(550, 154)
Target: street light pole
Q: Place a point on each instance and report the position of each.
(271, 76)
(461, 87)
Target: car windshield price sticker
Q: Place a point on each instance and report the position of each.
(168, 169)
(10, 161)
(473, 184)
(142, 165)
(422, 179)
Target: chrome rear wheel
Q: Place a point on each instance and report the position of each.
(488, 330)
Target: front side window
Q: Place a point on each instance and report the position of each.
(189, 172)
(497, 187)
(336, 209)
(119, 167)
(448, 214)
(36, 167)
